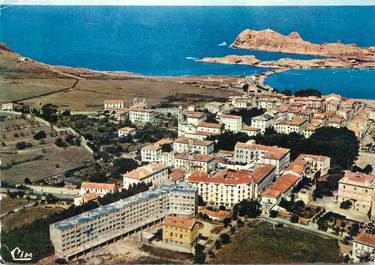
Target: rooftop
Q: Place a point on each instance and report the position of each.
(184, 223)
(145, 171)
(209, 125)
(366, 239)
(281, 185)
(185, 140)
(196, 157)
(358, 179)
(102, 186)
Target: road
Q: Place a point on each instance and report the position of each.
(57, 195)
(300, 227)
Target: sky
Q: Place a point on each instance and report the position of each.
(188, 2)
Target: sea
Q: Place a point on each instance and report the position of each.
(165, 41)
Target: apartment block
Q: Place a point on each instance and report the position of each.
(184, 144)
(181, 231)
(231, 122)
(194, 161)
(141, 116)
(100, 188)
(113, 104)
(93, 229)
(358, 188)
(156, 174)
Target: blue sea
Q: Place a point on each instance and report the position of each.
(165, 40)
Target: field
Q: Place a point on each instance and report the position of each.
(8, 204)
(82, 90)
(42, 159)
(261, 244)
(26, 216)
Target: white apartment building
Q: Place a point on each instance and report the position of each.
(281, 188)
(250, 152)
(83, 233)
(99, 188)
(151, 153)
(364, 246)
(358, 188)
(113, 104)
(295, 125)
(126, 131)
(318, 163)
(250, 131)
(262, 122)
(267, 103)
(228, 188)
(195, 117)
(167, 158)
(156, 174)
(186, 145)
(231, 122)
(211, 128)
(191, 162)
(141, 116)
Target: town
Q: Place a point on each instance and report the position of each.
(181, 183)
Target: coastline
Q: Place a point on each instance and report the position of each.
(86, 73)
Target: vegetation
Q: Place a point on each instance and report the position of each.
(22, 145)
(248, 114)
(40, 135)
(261, 244)
(308, 92)
(340, 144)
(227, 140)
(248, 208)
(151, 133)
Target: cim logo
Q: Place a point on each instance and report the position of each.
(20, 255)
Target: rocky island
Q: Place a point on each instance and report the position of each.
(337, 55)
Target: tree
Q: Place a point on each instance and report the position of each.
(199, 257)
(308, 92)
(354, 229)
(294, 218)
(345, 204)
(248, 208)
(61, 143)
(224, 238)
(123, 165)
(27, 181)
(247, 115)
(49, 112)
(286, 92)
(40, 135)
(217, 244)
(273, 214)
(227, 140)
(22, 145)
(201, 202)
(227, 221)
(51, 199)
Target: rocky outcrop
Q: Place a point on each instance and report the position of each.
(271, 41)
(288, 63)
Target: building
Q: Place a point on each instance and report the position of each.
(267, 103)
(208, 127)
(181, 231)
(318, 163)
(262, 122)
(87, 197)
(151, 153)
(216, 215)
(281, 188)
(228, 188)
(364, 248)
(358, 188)
(83, 233)
(126, 131)
(194, 161)
(156, 174)
(184, 144)
(231, 122)
(251, 131)
(195, 117)
(250, 152)
(7, 106)
(100, 188)
(295, 125)
(214, 107)
(141, 116)
(113, 104)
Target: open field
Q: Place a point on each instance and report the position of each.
(8, 204)
(261, 244)
(42, 159)
(26, 216)
(83, 90)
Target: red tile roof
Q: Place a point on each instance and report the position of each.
(366, 239)
(177, 174)
(185, 223)
(94, 185)
(281, 185)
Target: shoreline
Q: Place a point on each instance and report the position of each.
(83, 73)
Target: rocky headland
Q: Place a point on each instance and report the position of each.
(336, 55)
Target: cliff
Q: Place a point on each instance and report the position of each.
(271, 41)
